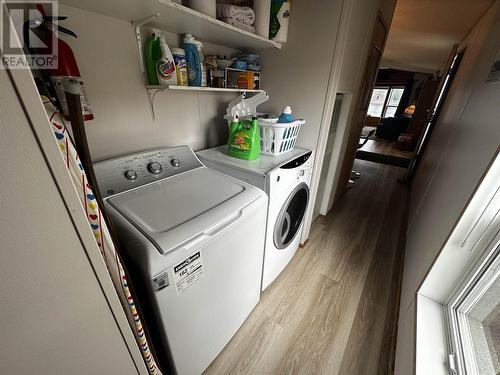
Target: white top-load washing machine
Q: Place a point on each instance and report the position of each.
(286, 179)
(192, 240)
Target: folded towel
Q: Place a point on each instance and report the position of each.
(252, 60)
(239, 24)
(240, 18)
(228, 11)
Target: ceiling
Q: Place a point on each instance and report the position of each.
(423, 32)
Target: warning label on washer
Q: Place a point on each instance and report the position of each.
(187, 272)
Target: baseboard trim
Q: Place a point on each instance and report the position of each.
(302, 245)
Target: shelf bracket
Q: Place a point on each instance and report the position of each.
(137, 24)
(151, 98)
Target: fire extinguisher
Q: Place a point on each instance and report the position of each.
(67, 68)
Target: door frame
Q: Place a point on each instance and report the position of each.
(353, 130)
(326, 116)
(449, 72)
(339, 138)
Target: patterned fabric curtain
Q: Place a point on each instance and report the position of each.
(110, 257)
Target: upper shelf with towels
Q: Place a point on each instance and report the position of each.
(178, 19)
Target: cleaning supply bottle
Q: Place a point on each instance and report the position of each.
(280, 16)
(244, 139)
(202, 64)
(152, 52)
(180, 66)
(193, 60)
(165, 66)
(286, 116)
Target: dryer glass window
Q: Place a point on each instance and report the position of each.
(291, 216)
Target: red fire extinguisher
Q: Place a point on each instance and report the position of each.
(67, 68)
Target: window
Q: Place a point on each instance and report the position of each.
(395, 96)
(377, 101)
(458, 304)
(384, 101)
(475, 322)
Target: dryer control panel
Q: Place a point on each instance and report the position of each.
(301, 165)
(131, 171)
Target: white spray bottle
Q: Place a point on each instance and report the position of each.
(165, 67)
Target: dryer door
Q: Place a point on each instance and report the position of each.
(291, 215)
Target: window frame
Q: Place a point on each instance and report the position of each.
(462, 300)
(388, 88)
(386, 105)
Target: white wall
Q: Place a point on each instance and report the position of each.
(405, 354)
(106, 53)
(461, 147)
(298, 74)
(463, 143)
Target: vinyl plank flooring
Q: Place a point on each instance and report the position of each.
(374, 307)
(331, 311)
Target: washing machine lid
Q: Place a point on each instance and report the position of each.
(175, 210)
(263, 165)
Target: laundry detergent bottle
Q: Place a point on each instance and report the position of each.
(244, 139)
(165, 66)
(203, 70)
(192, 60)
(286, 115)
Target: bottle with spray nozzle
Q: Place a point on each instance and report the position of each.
(165, 66)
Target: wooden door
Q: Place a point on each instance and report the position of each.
(423, 107)
(377, 43)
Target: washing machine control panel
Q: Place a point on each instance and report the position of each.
(128, 172)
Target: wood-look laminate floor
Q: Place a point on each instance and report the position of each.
(332, 310)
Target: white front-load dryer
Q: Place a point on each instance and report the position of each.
(286, 179)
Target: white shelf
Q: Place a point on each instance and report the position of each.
(178, 19)
(155, 89)
(196, 88)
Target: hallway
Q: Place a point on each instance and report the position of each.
(332, 310)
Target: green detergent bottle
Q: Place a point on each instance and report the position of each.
(244, 139)
(153, 53)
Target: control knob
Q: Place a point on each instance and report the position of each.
(154, 167)
(176, 163)
(131, 175)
